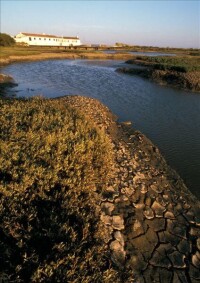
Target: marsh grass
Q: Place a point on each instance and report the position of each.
(54, 164)
(181, 64)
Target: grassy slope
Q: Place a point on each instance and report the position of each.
(51, 161)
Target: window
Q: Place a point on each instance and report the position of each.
(34, 38)
(39, 38)
(49, 38)
(30, 38)
(44, 38)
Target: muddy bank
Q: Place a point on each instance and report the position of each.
(186, 81)
(151, 219)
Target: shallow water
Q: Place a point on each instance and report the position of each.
(169, 117)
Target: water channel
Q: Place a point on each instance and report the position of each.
(169, 117)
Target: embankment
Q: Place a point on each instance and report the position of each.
(68, 55)
(128, 218)
(187, 81)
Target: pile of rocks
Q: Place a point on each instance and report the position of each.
(151, 219)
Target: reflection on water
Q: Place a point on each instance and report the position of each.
(169, 117)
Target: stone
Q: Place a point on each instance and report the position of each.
(144, 189)
(115, 245)
(160, 260)
(170, 238)
(117, 253)
(107, 234)
(139, 206)
(198, 244)
(194, 272)
(180, 231)
(158, 209)
(181, 276)
(148, 201)
(127, 191)
(169, 215)
(157, 224)
(190, 217)
(119, 237)
(161, 200)
(148, 213)
(107, 220)
(196, 261)
(184, 247)
(118, 222)
(177, 259)
(156, 188)
(137, 229)
(194, 232)
(107, 207)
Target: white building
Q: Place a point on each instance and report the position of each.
(46, 40)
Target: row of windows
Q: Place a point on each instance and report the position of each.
(30, 39)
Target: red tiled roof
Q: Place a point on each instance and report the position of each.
(47, 35)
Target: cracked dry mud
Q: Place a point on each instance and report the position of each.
(151, 220)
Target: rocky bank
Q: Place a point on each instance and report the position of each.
(152, 221)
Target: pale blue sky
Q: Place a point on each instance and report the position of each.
(157, 23)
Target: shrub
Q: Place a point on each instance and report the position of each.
(52, 162)
(6, 40)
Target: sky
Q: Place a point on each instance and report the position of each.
(150, 23)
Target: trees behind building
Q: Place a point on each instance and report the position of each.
(6, 40)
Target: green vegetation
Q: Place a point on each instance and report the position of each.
(6, 40)
(17, 51)
(52, 160)
(180, 64)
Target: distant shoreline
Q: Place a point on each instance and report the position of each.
(73, 55)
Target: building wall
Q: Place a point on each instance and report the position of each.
(43, 40)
